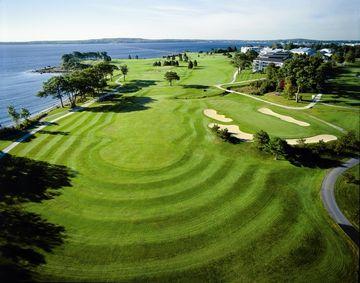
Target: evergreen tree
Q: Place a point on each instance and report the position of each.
(190, 65)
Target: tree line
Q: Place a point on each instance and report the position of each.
(298, 74)
(79, 83)
(73, 60)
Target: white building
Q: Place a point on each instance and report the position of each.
(245, 49)
(267, 50)
(277, 58)
(326, 52)
(303, 50)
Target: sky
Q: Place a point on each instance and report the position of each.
(27, 20)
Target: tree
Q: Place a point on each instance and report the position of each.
(350, 56)
(25, 114)
(190, 65)
(261, 140)
(251, 55)
(289, 89)
(53, 87)
(170, 76)
(240, 61)
(278, 147)
(195, 63)
(301, 81)
(338, 58)
(14, 115)
(124, 70)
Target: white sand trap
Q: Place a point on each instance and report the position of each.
(211, 113)
(314, 139)
(289, 119)
(234, 129)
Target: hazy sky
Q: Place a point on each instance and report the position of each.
(23, 20)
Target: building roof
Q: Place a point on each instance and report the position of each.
(302, 50)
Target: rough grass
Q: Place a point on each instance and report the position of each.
(348, 197)
(157, 197)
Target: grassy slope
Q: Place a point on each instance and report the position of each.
(345, 86)
(158, 197)
(347, 196)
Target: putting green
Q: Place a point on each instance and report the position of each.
(158, 197)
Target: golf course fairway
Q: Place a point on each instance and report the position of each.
(155, 196)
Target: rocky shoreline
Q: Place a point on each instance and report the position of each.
(50, 70)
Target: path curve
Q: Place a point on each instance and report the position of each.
(72, 111)
(316, 99)
(329, 201)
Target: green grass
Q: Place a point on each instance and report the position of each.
(158, 197)
(348, 197)
(344, 87)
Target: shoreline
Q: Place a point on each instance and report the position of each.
(50, 70)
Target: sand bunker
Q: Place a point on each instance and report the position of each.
(211, 113)
(235, 131)
(289, 119)
(314, 139)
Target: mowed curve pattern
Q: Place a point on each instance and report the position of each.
(158, 197)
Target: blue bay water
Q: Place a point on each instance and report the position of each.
(19, 85)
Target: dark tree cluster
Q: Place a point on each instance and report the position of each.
(224, 134)
(224, 50)
(73, 60)
(321, 154)
(243, 60)
(171, 63)
(192, 64)
(300, 73)
(78, 84)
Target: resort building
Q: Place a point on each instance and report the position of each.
(326, 52)
(303, 50)
(277, 58)
(245, 49)
(267, 50)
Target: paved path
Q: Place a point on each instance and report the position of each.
(316, 99)
(45, 124)
(328, 198)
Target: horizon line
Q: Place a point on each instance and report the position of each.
(174, 39)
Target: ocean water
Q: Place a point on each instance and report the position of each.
(19, 85)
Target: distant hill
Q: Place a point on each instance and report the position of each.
(143, 40)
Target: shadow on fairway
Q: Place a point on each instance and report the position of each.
(305, 157)
(46, 132)
(196, 86)
(14, 134)
(122, 104)
(24, 235)
(351, 232)
(136, 85)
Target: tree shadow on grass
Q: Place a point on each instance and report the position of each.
(136, 85)
(122, 104)
(196, 86)
(306, 157)
(24, 235)
(13, 134)
(46, 132)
